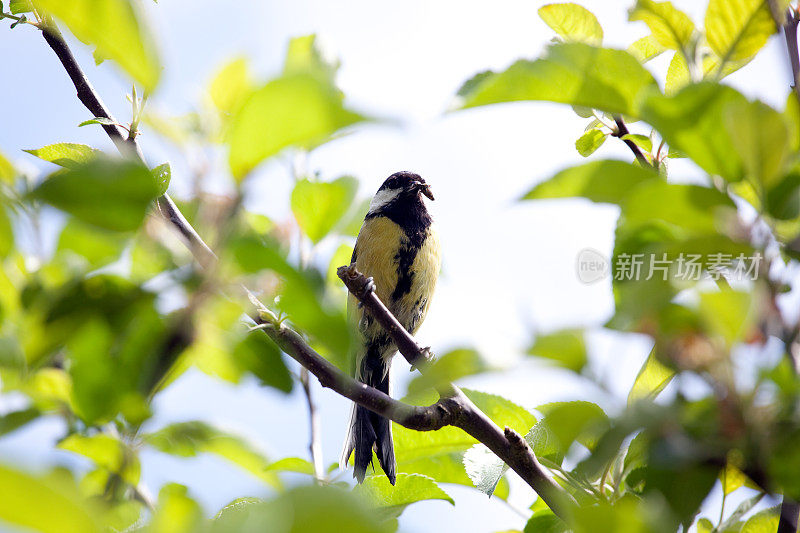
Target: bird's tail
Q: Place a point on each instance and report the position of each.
(368, 431)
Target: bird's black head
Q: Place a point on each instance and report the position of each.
(400, 188)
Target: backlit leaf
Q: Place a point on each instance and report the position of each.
(67, 155)
(573, 23)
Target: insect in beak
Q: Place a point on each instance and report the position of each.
(425, 189)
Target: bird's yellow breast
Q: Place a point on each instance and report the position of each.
(379, 247)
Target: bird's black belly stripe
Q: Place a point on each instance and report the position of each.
(405, 276)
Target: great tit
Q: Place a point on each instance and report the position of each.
(398, 248)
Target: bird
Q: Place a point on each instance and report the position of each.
(399, 249)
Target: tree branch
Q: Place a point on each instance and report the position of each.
(507, 445)
(454, 408)
(790, 34)
(622, 130)
(315, 439)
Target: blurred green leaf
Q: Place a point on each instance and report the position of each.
(162, 174)
(642, 141)
(49, 504)
(305, 509)
(106, 452)
(728, 313)
(97, 245)
(484, 468)
(732, 478)
(565, 348)
(14, 420)
(651, 379)
(259, 355)
(450, 367)
(573, 23)
(292, 464)
(570, 73)
(103, 121)
(736, 30)
(176, 512)
(231, 85)
(671, 27)
(304, 56)
(112, 194)
(782, 200)
(646, 48)
(760, 137)
(7, 170)
(67, 155)
(116, 28)
(408, 489)
(187, 439)
(439, 454)
(296, 110)
(341, 257)
(20, 6)
(6, 232)
(590, 141)
(564, 423)
(721, 131)
(599, 181)
(545, 521)
(319, 206)
(678, 75)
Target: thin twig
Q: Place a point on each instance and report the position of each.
(620, 132)
(790, 34)
(315, 434)
(453, 409)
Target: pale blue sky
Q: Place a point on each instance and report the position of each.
(508, 267)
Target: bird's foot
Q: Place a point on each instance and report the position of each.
(427, 359)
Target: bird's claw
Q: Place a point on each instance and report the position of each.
(369, 286)
(427, 356)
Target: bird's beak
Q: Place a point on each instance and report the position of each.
(425, 189)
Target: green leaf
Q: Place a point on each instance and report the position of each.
(693, 121)
(14, 420)
(231, 86)
(319, 206)
(176, 512)
(760, 138)
(20, 6)
(304, 56)
(97, 245)
(6, 233)
(7, 171)
(259, 355)
(162, 174)
(671, 27)
(565, 348)
(408, 489)
(570, 73)
(450, 367)
(117, 30)
(642, 141)
(296, 110)
(651, 379)
(564, 423)
(545, 521)
(439, 454)
(103, 121)
(732, 478)
(106, 452)
(112, 194)
(484, 468)
(678, 75)
(67, 155)
(341, 257)
(49, 504)
(599, 181)
(590, 141)
(646, 48)
(573, 23)
(728, 313)
(324, 509)
(292, 464)
(187, 439)
(737, 29)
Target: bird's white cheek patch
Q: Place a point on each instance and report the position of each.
(382, 198)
